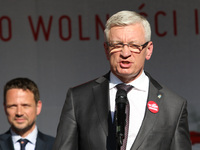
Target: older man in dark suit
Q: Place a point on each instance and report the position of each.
(93, 114)
(22, 104)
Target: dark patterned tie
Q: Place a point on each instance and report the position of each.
(23, 143)
(127, 88)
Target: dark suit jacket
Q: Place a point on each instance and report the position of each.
(85, 120)
(44, 142)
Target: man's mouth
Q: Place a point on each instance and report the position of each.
(20, 120)
(125, 64)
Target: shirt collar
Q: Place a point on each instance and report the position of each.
(141, 83)
(31, 137)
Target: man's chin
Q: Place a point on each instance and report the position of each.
(19, 127)
(22, 127)
(127, 77)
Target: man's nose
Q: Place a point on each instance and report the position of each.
(19, 111)
(125, 51)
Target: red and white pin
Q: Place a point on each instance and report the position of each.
(153, 107)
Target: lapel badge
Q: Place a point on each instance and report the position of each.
(159, 96)
(153, 107)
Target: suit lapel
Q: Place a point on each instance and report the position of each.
(101, 94)
(6, 142)
(101, 101)
(149, 118)
(40, 144)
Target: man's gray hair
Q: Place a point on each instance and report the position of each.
(124, 18)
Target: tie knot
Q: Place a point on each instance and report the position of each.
(23, 143)
(124, 87)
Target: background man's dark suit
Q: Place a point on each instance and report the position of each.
(44, 142)
(86, 127)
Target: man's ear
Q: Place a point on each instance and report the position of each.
(149, 50)
(106, 48)
(39, 107)
(4, 106)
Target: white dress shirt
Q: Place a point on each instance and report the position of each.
(31, 137)
(137, 99)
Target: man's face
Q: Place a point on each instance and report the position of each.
(21, 110)
(125, 64)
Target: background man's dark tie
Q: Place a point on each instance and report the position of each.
(23, 143)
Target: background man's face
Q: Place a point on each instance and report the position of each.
(21, 110)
